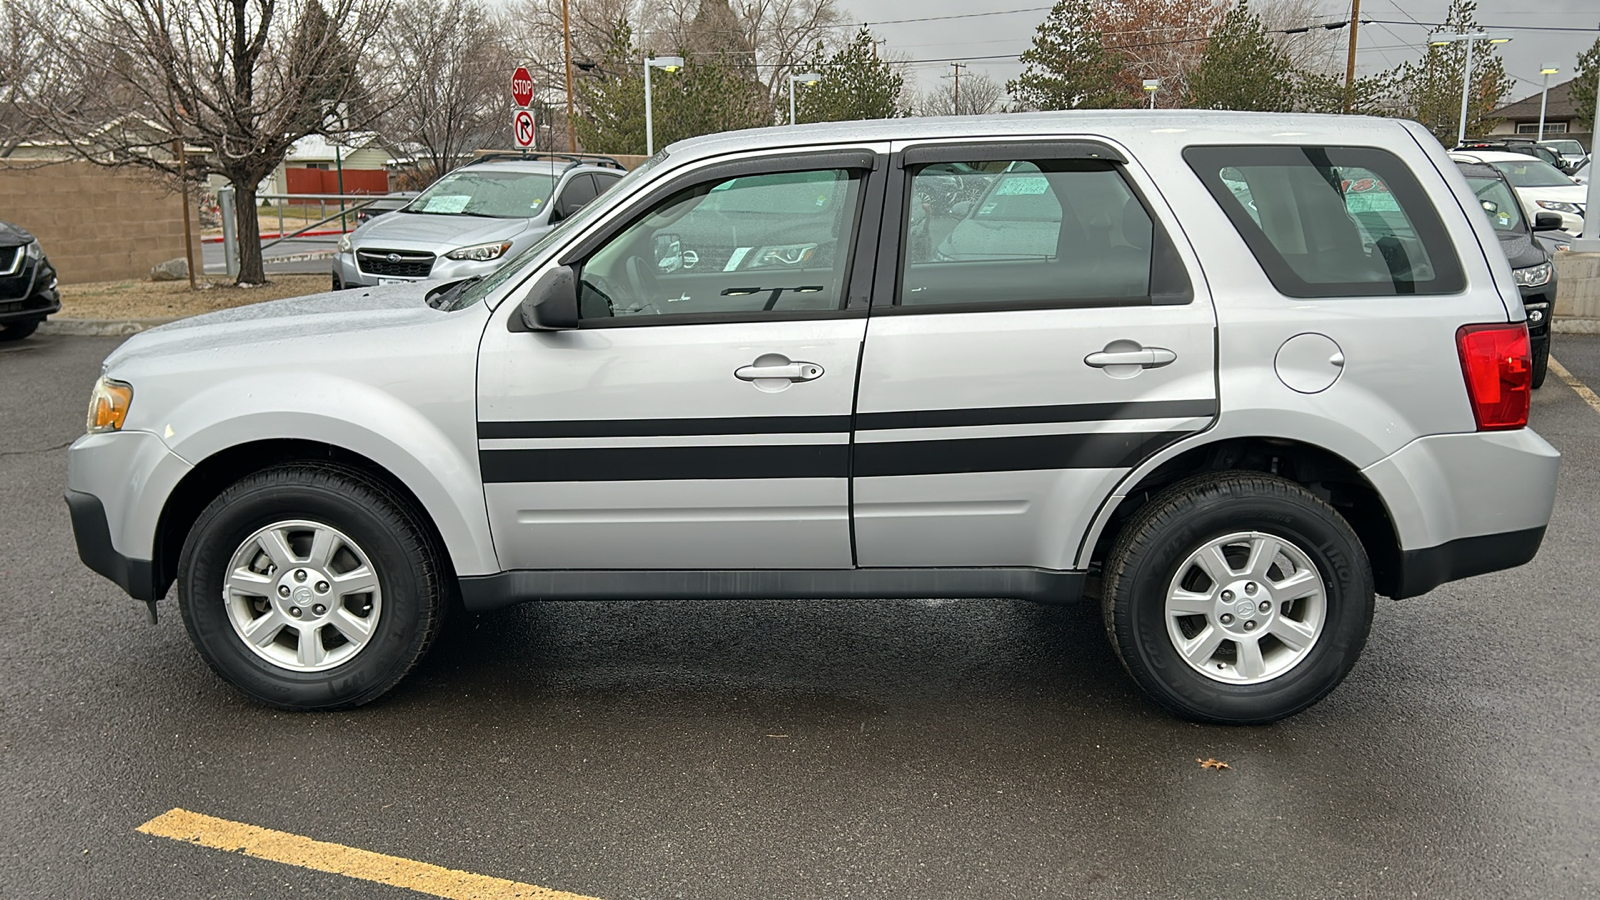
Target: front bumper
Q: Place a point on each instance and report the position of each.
(348, 273)
(30, 295)
(117, 488)
(1466, 504)
(92, 532)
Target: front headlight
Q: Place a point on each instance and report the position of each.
(480, 252)
(344, 243)
(1559, 206)
(34, 250)
(1533, 276)
(108, 405)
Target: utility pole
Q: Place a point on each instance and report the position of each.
(1350, 61)
(566, 44)
(958, 66)
(875, 43)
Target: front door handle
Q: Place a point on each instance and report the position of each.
(1144, 358)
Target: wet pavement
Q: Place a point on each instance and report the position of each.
(802, 749)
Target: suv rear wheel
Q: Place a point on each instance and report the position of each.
(310, 587)
(1237, 598)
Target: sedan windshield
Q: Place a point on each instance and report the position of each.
(495, 194)
(1504, 213)
(1532, 173)
(517, 265)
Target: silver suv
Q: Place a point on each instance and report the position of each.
(473, 219)
(1230, 375)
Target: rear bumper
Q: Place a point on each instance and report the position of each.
(1466, 504)
(1423, 570)
(92, 532)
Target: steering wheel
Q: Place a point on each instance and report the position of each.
(642, 282)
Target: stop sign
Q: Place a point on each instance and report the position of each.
(522, 86)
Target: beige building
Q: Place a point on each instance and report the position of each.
(1521, 117)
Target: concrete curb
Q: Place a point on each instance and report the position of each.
(99, 327)
(1576, 326)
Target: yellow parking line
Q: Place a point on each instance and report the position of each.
(294, 850)
(1572, 382)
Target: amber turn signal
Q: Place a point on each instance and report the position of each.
(108, 405)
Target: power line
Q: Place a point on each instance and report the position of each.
(1565, 28)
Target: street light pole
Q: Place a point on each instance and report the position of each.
(1590, 242)
(670, 64)
(1151, 85)
(805, 78)
(1545, 70)
(1469, 39)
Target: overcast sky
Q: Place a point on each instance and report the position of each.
(1379, 46)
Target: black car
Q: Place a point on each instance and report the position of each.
(27, 284)
(1525, 146)
(1531, 264)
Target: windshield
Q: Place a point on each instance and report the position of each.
(1565, 147)
(1532, 173)
(1504, 213)
(495, 194)
(518, 265)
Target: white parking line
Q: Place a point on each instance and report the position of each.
(1582, 389)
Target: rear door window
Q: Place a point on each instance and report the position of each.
(1025, 233)
(1331, 221)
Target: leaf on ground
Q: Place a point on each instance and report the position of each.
(1212, 764)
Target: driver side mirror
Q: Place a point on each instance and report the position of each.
(1547, 221)
(551, 304)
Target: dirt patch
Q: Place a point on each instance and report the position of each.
(173, 299)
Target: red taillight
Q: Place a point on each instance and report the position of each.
(1499, 369)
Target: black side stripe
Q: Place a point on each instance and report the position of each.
(665, 463)
(923, 418)
(1104, 450)
(1032, 415)
(665, 427)
(1101, 450)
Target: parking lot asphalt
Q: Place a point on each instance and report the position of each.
(711, 750)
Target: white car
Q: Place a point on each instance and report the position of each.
(1540, 186)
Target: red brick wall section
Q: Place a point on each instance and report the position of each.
(96, 224)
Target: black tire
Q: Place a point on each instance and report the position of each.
(16, 331)
(414, 585)
(1541, 362)
(1187, 516)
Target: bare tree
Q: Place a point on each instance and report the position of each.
(979, 95)
(1317, 49)
(453, 64)
(243, 78)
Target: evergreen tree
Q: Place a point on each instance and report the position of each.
(1242, 68)
(1430, 90)
(1370, 95)
(855, 84)
(1583, 87)
(1068, 66)
(710, 93)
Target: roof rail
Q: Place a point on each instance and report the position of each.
(574, 159)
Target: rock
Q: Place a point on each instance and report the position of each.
(171, 270)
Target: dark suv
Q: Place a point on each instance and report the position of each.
(27, 284)
(1531, 265)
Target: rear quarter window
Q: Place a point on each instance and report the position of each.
(1331, 221)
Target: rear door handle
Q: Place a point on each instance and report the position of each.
(1144, 358)
(794, 371)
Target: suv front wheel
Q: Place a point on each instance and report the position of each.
(1237, 598)
(310, 587)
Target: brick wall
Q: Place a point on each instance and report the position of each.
(96, 224)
